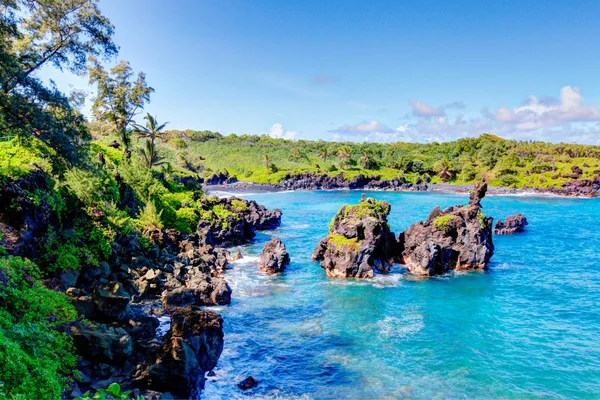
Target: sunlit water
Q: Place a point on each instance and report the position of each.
(527, 328)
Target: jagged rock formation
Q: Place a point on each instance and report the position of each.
(359, 241)
(191, 347)
(310, 181)
(457, 238)
(274, 257)
(238, 222)
(512, 224)
(220, 178)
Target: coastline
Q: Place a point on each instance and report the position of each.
(252, 188)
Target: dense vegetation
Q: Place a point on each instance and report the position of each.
(86, 192)
(501, 162)
(114, 176)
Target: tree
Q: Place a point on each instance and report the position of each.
(366, 159)
(267, 161)
(344, 155)
(119, 97)
(47, 32)
(150, 132)
(444, 169)
(151, 155)
(296, 154)
(63, 33)
(323, 155)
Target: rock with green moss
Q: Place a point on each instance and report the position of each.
(457, 238)
(359, 241)
(234, 221)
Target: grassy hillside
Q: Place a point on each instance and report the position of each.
(501, 162)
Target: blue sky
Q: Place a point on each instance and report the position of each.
(367, 70)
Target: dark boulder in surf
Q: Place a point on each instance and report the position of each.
(512, 224)
(274, 257)
(457, 238)
(359, 241)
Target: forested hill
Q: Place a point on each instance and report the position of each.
(501, 162)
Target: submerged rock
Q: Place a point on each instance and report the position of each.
(512, 224)
(457, 238)
(274, 257)
(248, 383)
(190, 348)
(359, 241)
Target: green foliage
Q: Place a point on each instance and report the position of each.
(442, 222)
(119, 96)
(468, 173)
(482, 219)
(20, 157)
(112, 392)
(92, 187)
(85, 244)
(36, 360)
(140, 179)
(186, 220)
(150, 217)
(341, 241)
(467, 159)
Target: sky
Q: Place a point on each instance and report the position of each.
(384, 71)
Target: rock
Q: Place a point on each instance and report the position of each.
(248, 383)
(358, 242)
(311, 181)
(237, 256)
(202, 291)
(243, 218)
(191, 347)
(274, 257)
(512, 224)
(458, 238)
(112, 301)
(108, 345)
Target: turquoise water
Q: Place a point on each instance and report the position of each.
(529, 327)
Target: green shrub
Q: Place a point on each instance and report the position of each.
(112, 392)
(92, 187)
(18, 158)
(442, 222)
(186, 220)
(150, 217)
(86, 244)
(36, 360)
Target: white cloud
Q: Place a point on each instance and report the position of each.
(278, 132)
(424, 110)
(536, 114)
(566, 119)
(365, 127)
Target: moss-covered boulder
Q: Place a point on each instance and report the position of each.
(359, 241)
(457, 238)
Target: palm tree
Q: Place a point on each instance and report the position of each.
(150, 132)
(323, 155)
(444, 169)
(267, 160)
(366, 159)
(296, 154)
(344, 154)
(151, 155)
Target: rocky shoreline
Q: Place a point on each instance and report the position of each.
(311, 181)
(155, 273)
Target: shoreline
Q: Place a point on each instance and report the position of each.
(252, 188)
